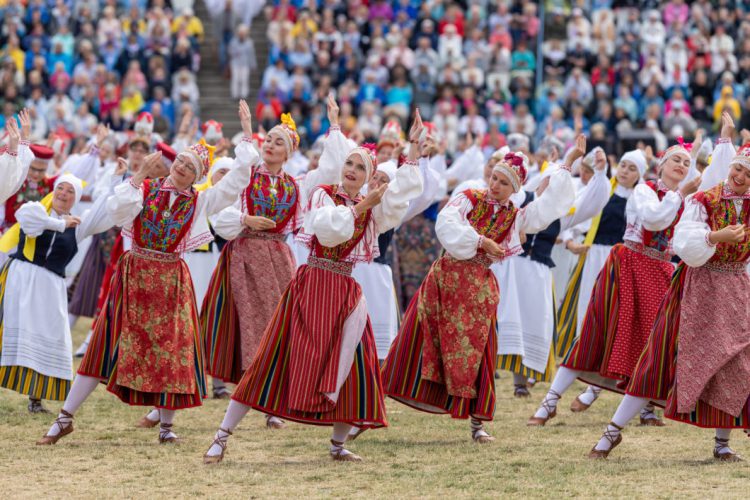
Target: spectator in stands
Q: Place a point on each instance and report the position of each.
(242, 62)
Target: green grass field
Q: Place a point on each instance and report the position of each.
(419, 455)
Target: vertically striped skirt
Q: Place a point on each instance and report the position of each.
(267, 385)
(624, 303)
(89, 282)
(402, 374)
(655, 374)
(20, 378)
(101, 358)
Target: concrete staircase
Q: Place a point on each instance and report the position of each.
(215, 101)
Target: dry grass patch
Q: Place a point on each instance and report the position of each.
(419, 455)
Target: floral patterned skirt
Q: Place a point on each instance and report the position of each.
(443, 360)
(714, 371)
(89, 281)
(145, 345)
(417, 247)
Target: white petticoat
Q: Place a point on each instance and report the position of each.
(36, 334)
(596, 256)
(201, 266)
(376, 281)
(299, 250)
(526, 320)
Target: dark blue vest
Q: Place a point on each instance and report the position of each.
(384, 241)
(53, 250)
(538, 247)
(613, 222)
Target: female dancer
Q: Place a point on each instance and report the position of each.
(256, 266)
(607, 229)
(526, 313)
(697, 360)
(628, 290)
(317, 362)
(36, 350)
(146, 340)
(443, 360)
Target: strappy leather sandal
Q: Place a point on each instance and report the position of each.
(727, 456)
(36, 406)
(521, 391)
(480, 436)
(164, 434)
(613, 442)
(277, 424)
(215, 459)
(64, 431)
(340, 454)
(551, 412)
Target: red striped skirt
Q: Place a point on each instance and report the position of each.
(297, 361)
(253, 273)
(403, 372)
(146, 375)
(621, 312)
(654, 376)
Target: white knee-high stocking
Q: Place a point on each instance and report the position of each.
(81, 389)
(629, 408)
(236, 411)
(562, 382)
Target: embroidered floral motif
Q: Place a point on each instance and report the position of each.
(160, 226)
(485, 220)
(722, 212)
(273, 197)
(25, 194)
(360, 227)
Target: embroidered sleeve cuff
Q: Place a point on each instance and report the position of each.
(480, 241)
(11, 153)
(412, 162)
(24, 142)
(247, 139)
(723, 140)
(333, 128)
(708, 240)
(94, 151)
(130, 181)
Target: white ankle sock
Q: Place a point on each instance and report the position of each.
(339, 435)
(153, 415)
(721, 443)
(647, 413)
(215, 449)
(166, 418)
(563, 380)
(82, 348)
(629, 408)
(477, 428)
(590, 395)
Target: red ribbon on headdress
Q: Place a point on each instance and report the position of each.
(687, 145)
(514, 159)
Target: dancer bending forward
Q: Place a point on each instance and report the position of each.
(443, 360)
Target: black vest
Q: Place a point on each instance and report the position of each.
(613, 222)
(53, 250)
(538, 247)
(384, 241)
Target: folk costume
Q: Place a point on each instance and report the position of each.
(526, 312)
(606, 230)
(443, 360)
(317, 363)
(696, 363)
(146, 345)
(254, 268)
(625, 298)
(36, 354)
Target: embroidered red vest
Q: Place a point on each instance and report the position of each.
(341, 251)
(161, 227)
(722, 213)
(259, 199)
(492, 224)
(659, 240)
